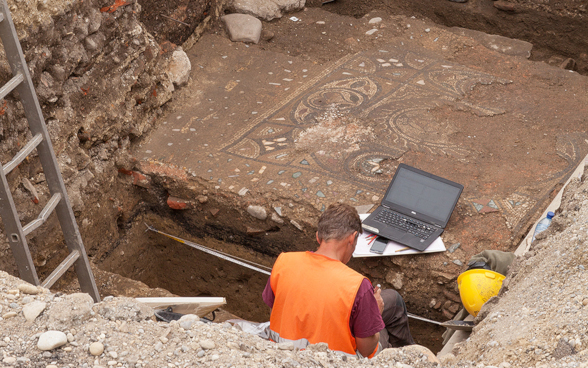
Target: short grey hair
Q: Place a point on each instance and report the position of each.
(338, 221)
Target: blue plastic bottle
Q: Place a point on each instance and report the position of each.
(543, 224)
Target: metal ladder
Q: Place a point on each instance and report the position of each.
(59, 202)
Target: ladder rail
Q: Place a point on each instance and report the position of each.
(15, 235)
(46, 154)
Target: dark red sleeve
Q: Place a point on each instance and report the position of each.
(365, 318)
(268, 294)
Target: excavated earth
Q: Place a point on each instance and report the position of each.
(135, 149)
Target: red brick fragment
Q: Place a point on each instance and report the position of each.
(177, 203)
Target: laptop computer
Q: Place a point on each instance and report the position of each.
(415, 209)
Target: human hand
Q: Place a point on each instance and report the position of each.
(379, 300)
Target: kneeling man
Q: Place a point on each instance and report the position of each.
(316, 298)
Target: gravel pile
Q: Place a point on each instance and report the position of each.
(41, 329)
(540, 317)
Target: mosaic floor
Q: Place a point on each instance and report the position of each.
(261, 122)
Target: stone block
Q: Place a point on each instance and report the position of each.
(179, 67)
(242, 27)
(266, 9)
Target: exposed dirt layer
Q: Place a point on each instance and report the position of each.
(175, 21)
(557, 30)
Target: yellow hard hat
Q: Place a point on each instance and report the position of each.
(476, 287)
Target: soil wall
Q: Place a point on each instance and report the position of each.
(102, 79)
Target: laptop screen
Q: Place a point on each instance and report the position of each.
(423, 194)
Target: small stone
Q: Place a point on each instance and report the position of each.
(267, 35)
(458, 262)
(214, 212)
(252, 231)
(187, 321)
(243, 191)
(28, 289)
(454, 247)
(113, 354)
(286, 346)
(9, 315)
(9, 360)
(569, 64)
(278, 210)
(33, 309)
(96, 348)
(51, 339)
(297, 225)
(257, 211)
(375, 20)
(275, 218)
(214, 357)
(70, 337)
(207, 344)
(51, 366)
(201, 353)
(371, 31)
(504, 6)
(202, 199)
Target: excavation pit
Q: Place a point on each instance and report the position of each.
(161, 262)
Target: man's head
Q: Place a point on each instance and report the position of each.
(337, 222)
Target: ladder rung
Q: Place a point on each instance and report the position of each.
(61, 269)
(49, 207)
(23, 153)
(12, 84)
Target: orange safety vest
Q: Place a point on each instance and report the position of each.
(314, 296)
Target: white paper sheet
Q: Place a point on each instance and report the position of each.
(393, 249)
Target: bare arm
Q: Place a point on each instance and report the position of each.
(367, 345)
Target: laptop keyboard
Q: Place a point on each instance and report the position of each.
(410, 225)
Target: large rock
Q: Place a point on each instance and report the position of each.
(179, 67)
(257, 211)
(124, 309)
(70, 311)
(32, 310)
(51, 339)
(242, 27)
(266, 9)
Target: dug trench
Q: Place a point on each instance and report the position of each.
(220, 222)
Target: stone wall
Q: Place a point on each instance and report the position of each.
(101, 81)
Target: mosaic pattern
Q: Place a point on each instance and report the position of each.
(387, 94)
